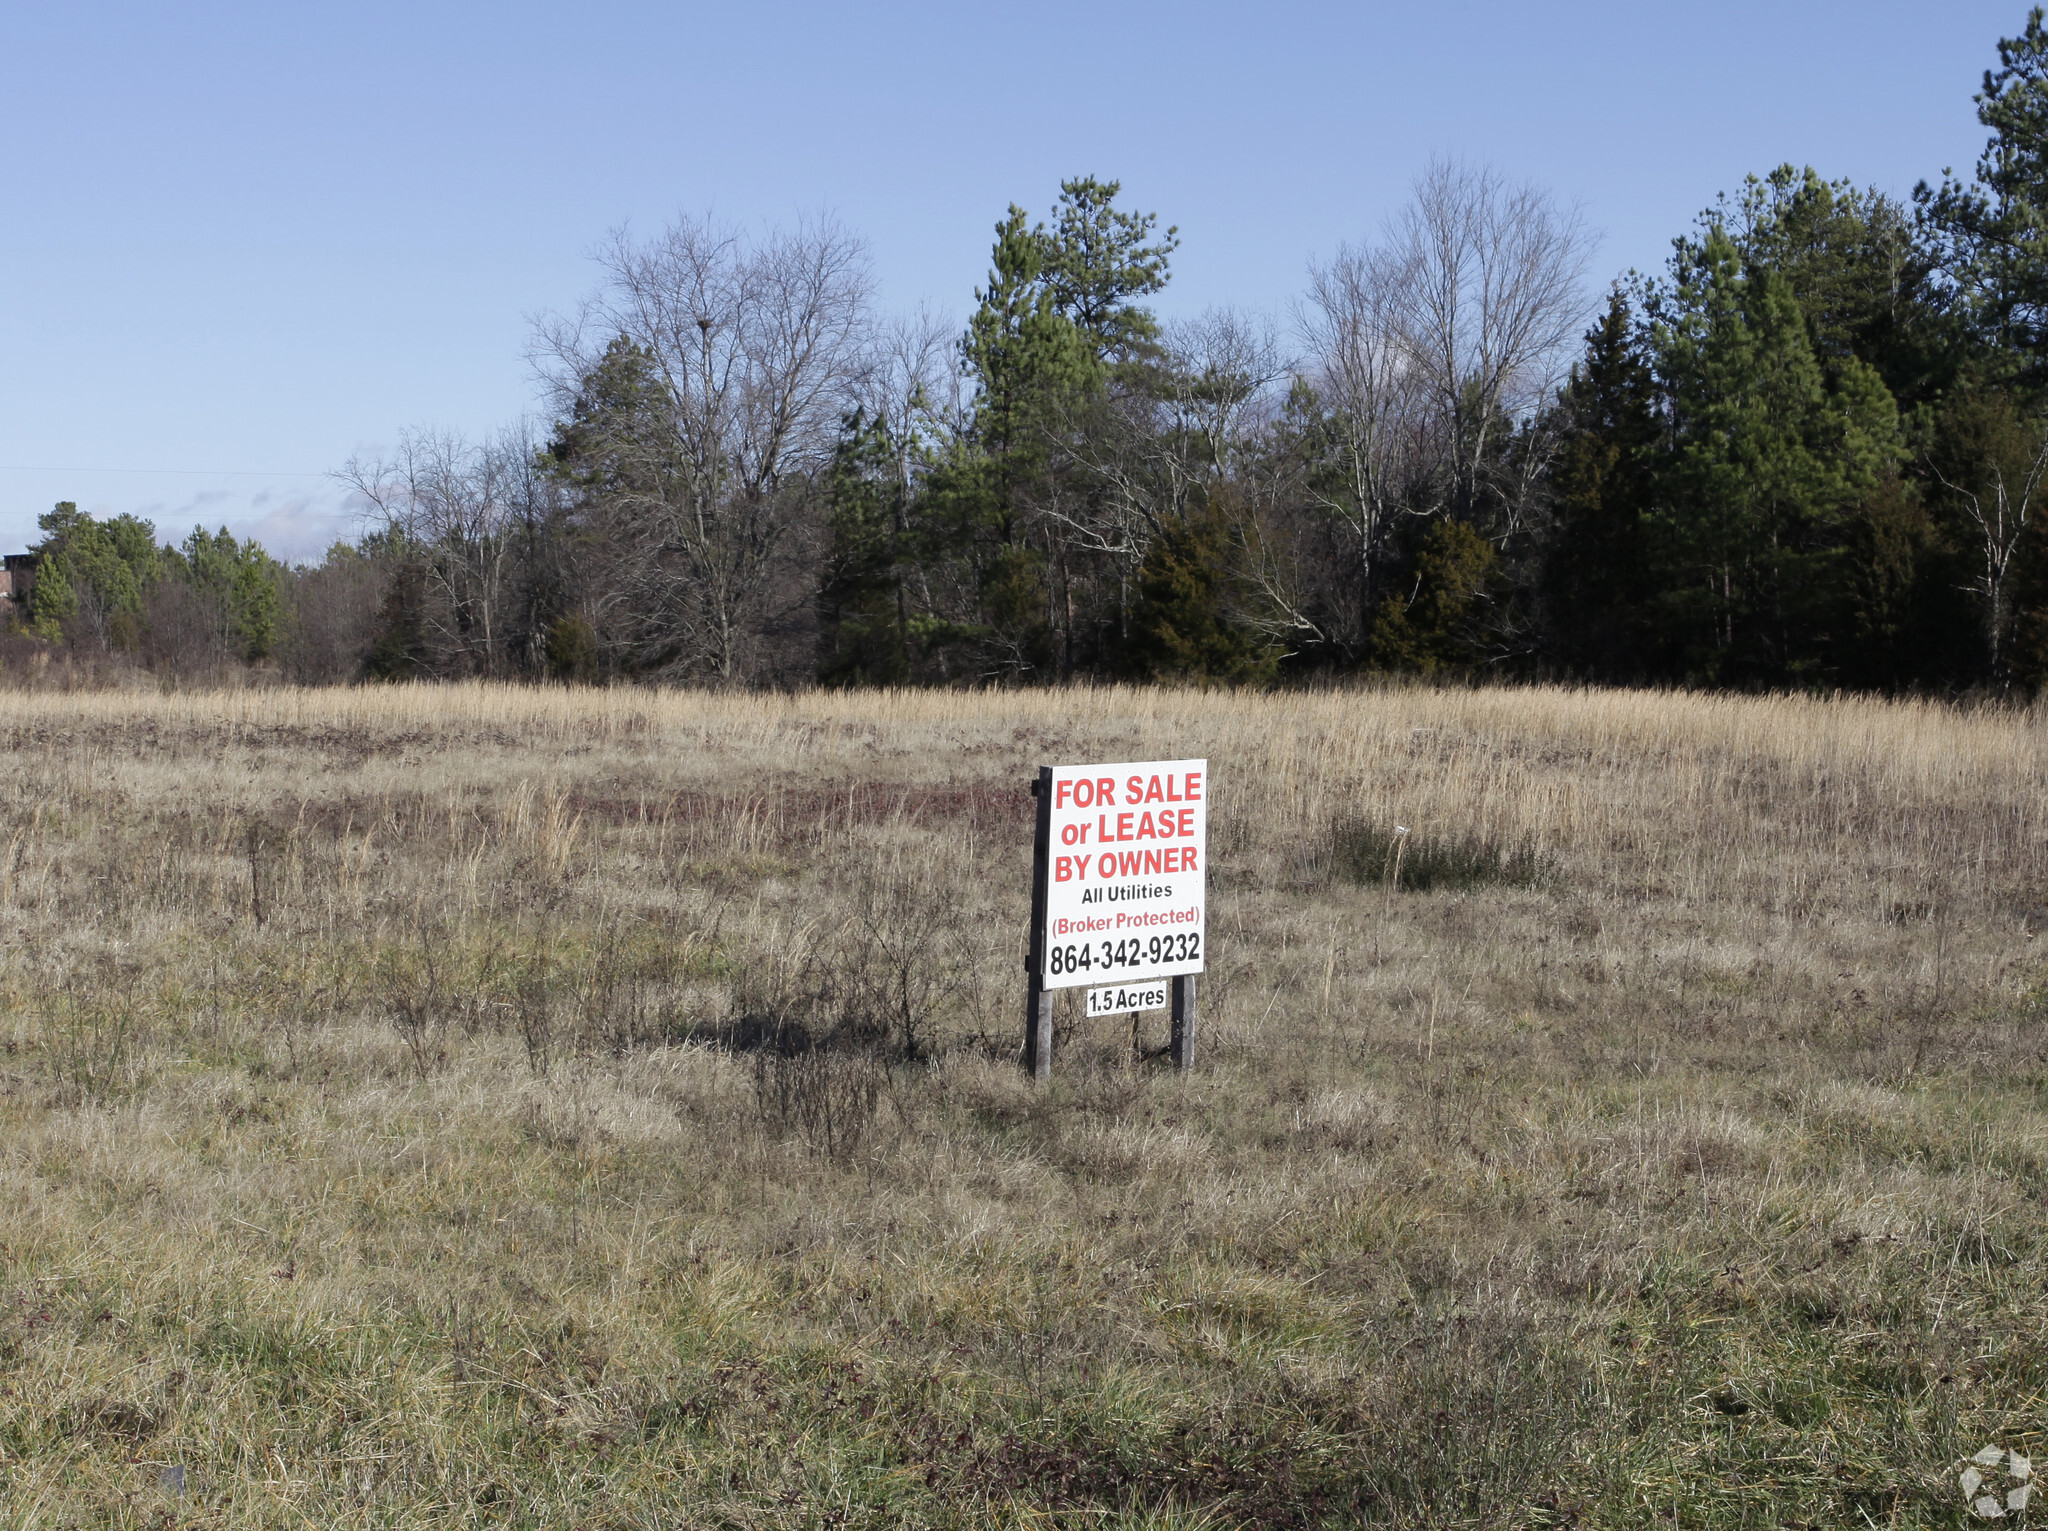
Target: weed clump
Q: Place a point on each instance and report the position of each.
(1375, 855)
(826, 1097)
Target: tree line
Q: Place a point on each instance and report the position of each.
(209, 608)
(1807, 453)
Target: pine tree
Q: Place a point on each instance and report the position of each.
(92, 576)
(1031, 361)
(237, 585)
(1057, 328)
(1097, 260)
(1866, 280)
(1994, 230)
(1596, 573)
(1769, 463)
(1863, 275)
(863, 607)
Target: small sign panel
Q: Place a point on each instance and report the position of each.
(1123, 998)
(1126, 884)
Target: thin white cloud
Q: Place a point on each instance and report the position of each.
(300, 529)
(292, 524)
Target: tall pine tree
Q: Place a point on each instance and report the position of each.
(1770, 462)
(1597, 571)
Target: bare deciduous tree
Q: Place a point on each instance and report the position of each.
(753, 350)
(1220, 371)
(1220, 406)
(2001, 509)
(1489, 298)
(1151, 450)
(454, 509)
(1381, 437)
(1428, 349)
(912, 380)
(1177, 440)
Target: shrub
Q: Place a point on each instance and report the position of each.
(826, 1096)
(1362, 851)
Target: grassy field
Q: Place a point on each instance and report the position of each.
(535, 1108)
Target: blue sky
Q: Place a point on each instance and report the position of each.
(242, 243)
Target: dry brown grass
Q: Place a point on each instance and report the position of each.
(409, 1114)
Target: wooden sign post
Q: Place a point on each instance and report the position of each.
(1181, 1047)
(1038, 998)
(1119, 879)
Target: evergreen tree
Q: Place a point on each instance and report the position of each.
(1097, 260)
(1183, 625)
(1994, 230)
(1056, 331)
(614, 440)
(238, 587)
(1906, 624)
(571, 650)
(1868, 284)
(1030, 360)
(1770, 462)
(1596, 571)
(1033, 369)
(92, 576)
(398, 645)
(1862, 275)
(863, 606)
(614, 455)
(1438, 625)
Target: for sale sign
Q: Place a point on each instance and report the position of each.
(1126, 876)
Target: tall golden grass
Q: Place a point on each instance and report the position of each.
(486, 1104)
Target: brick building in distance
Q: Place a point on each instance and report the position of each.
(17, 577)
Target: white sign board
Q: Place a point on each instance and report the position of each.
(1123, 998)
(1126, 881)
